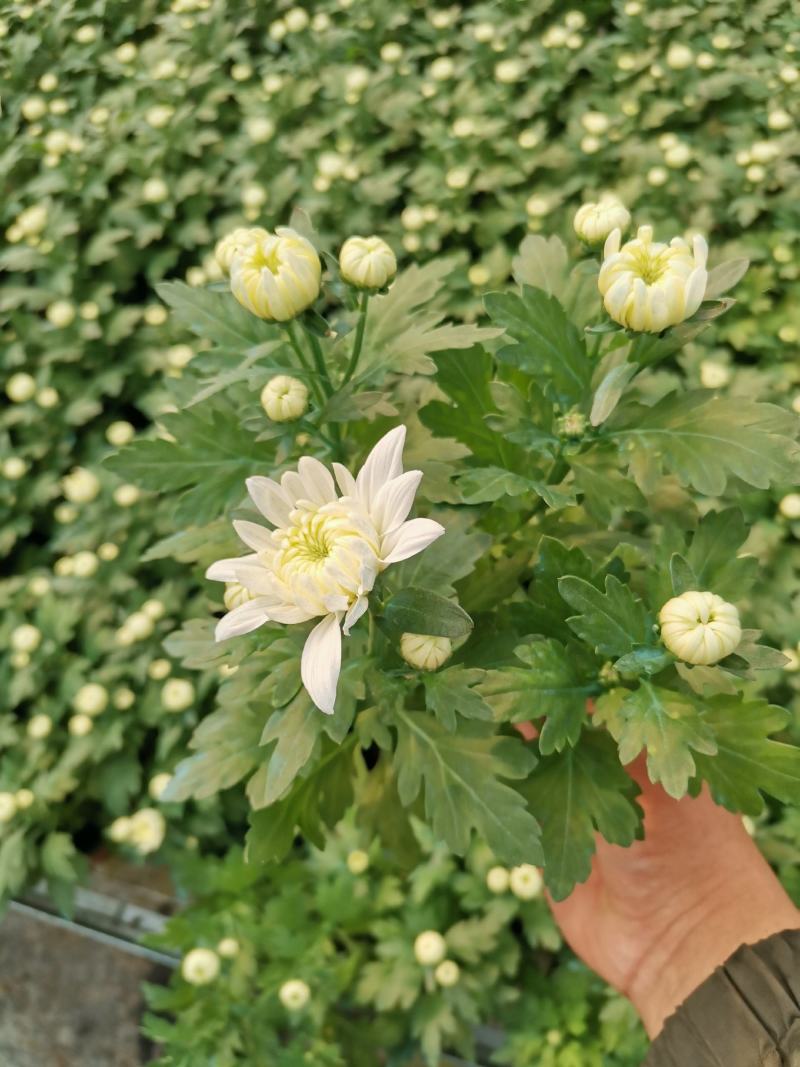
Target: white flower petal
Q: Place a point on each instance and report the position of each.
(224, 570)
(384, 462)
(317, 480)
(241, 620)
(254, 536)
(321, 663)
(410, 539)
(347, 482)
(354, 614)
(270, 499)
(393, 501)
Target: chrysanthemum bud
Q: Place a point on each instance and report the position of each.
(24, 798)
(228, 947)
(157, 784)
(447, 974)
(200, 966)
(120, 433)
(14, 468)
(126, 495)
(235, 594)
(498, 880)
(277, 276)
(789, 506)
(80, 486)
(39, 727)
(155, 191)
(80, 725)
(700, 627)
(593, 222)
(429, 948)
(294, 994)
(227, 246)
(526, 882)
(648, 286)
(357, 861)
(284, 399)
(367, 262)
(8, 807)
(26, 638)
(425, 652)
(61, 313)
(146, 831)
(177, 694)
(91, 699)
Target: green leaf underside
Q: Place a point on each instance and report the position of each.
(573, 794)
(460, 774)
(419, 611)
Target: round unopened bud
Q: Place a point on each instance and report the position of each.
(700, 627)
(200, 966)
(157, 784)
(228, 947)
(154, 609)
(91, 699)
(498, 880)
(177, 694)
(85, 34)
(593, 222)
(508, 71)
(48, 397)
(457, 178)
(679, 56)
(429, 948)
(447, 974)
(391, 52)
(60, 314)
(24, 799)
(284, 398)
(159, 116)
(80, 486)
(294, 994)
(155, 191)
(159, 669)
(80, 725)
(33, 109)
(126, 495)
(367, 262)
(779, 119)
(155, 315)
(39, 585)
(107, 551)
(259, 129)
(85, 564)
(20, 660)
(425, 652)
(33, 219)
(525, 882)
(39, 727)
(124, 698)
(119, 829)
(789, 506)
(139, 624)
(8, 807)
(26, 638)
(14, 468)
(147, 829)
(119, 433)
(357, 861)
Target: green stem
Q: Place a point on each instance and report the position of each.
(319, 360)
(293, 341)
(359, 341)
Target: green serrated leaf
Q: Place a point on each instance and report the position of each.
(456, 691)
(419, 611)
(613, 622)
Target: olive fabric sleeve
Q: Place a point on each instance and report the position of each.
(746, 1014)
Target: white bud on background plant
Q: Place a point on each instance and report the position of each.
(526, 882)
(284, 398)
(177, 694)
(367, 262)
(200, 966)
(430, 948)
(26, 638)
(700, 627)
(447, 974)
(357, 861)
(425, 652)
(498, 880)
(228, 947)
(294, 994)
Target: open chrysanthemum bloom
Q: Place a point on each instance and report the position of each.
(647, 286)
(324, 553)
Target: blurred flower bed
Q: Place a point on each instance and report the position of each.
(135, 136)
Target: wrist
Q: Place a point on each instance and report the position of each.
(733, 908)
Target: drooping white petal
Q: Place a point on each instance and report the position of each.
(354, 614)
(270, 499)
(347, 482)
(317, 480)
(410, 539)
(384, 462)
(254, 536)
(224, 570)
(393, 501)
(288, 614)
(321, 662)
(255, 577)
(242, 620)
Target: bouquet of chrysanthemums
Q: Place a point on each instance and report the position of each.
(426, 535)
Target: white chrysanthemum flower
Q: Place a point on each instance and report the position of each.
(647, 286)
(325, 552)
(294, 994)
(429, 948)
(367, 262)
(593, 222)
(276, 276)
(200, 966)
(700, 627)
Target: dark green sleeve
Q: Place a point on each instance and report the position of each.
(747, 1014)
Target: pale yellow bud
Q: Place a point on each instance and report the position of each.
(33, 219)
(120, 433)
(498, 880)
(259, 129)
(755, 173)
(157, 784)
(124, 698)
(125, 496)
(447, 974)
(678, 155)
(595, 122)
(392, 52)
(789, 506)
(89, 311)
(425, 652)
(47, 397)
(24, 799)
(33, 109)
(119, 829)
(39, 727)
(91, 699)
(156, 315)
(714, 375)
(508, 71)
(61, 313)
(357, 79)
(357, 861)
(457, 178)
(154, 609)
(367, 262)
(8, 807)
(138, 625)
(159, 669)
(108, 551)
(529, 138)
(85, 564)
(228, 947)
(700, 627)
(429, 948)
(525, 882)
(779, 119)
(26, 638)
(278, 276)
(14, 468)
(679, 56)
(85, 34)
(80, 486)
(284, 399)
(593, 222)
(177, 694)
(294, 994)
(155, 191)
(146, 831)
(20, 387)
(80, 725)
(478, 275)
(442, 69)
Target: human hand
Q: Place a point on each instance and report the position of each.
(657, 918)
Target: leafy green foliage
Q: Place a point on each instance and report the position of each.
(419, 611)
(613, 622)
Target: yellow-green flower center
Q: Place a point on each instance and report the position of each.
(266, 257)
(310, 541)
(649, 267)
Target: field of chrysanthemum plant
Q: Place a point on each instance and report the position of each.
(377, 378)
